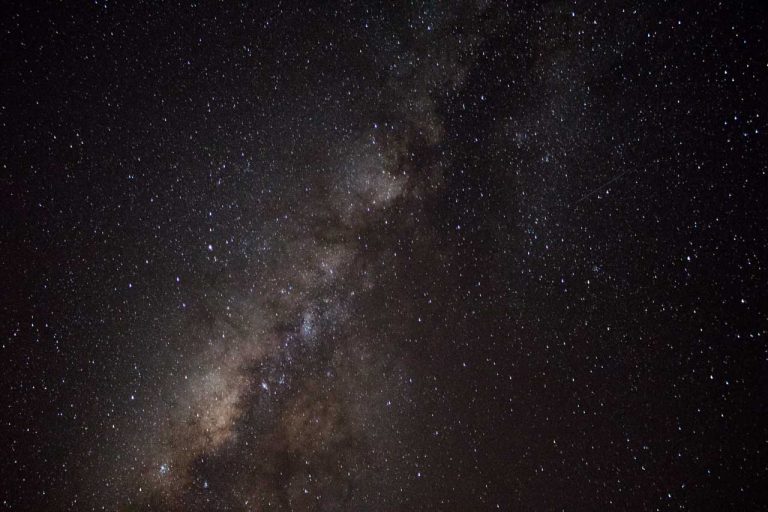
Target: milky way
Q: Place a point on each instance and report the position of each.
(471, 257)
(293, 377)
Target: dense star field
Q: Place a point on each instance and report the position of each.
(319, 256)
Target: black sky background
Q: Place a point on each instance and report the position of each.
(562, 302)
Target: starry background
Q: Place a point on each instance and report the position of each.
(374, 257)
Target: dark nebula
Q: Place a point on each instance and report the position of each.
(367, 257)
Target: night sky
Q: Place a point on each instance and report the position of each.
(368, 257)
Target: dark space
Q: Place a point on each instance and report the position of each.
(377, 257)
